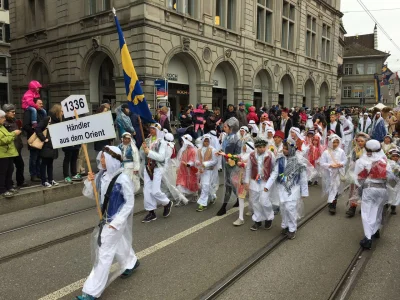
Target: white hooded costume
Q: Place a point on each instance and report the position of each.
(371, 173)
(207, 162)
(131, 160)
(155, 160)
(348, 131)
(113, 238)
(215, 143)
(364, 125)
(331, 176)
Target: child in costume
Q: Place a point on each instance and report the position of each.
(333, 162)
(388, 144)
(247, 149)
(113, 237)
(206, 163)
(290, 174)
(258, 171)
(314, 154)
(131, 160)
(187, 177)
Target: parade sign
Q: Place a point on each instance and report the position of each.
(72, 103)
(83, 130)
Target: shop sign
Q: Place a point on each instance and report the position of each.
(182, 92)
(172, 77)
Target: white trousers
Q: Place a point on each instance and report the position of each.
(289, 215)
(347, 144)
(113, 245)
(372, 203)
(206, 187)
(262, 206)
(152, 191)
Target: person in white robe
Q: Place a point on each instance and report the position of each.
(348, 130)
(113, 237)
(131, 160)
(333, 163)
(290, 175)
(364, 124)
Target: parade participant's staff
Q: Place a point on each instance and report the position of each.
(113, 237)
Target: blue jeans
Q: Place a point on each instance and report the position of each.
(34, 162)
(33, 114)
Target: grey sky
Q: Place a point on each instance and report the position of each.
(388, 16)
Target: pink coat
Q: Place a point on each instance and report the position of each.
(30, 94)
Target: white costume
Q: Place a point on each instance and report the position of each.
(270, 141)
(332, 126)
(131, 161)
(348, 130)
(115, 231)
(263, 132)
(372, 171)
(258, 170)
(290, 176)
(207, 162)
(299, 142)
(215, 143)
(331, 176)
(253, 128)
(364, 128)
(154, 160)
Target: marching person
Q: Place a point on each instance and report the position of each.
(253, 128)
(291, 175)
(153, 155)
(279, 136)
(230, 145)
(378, 129)
(114, 236)
(388, 144)
(371, 173)
(123, 120)
(333, 161)
(297, 138)
(206, 162)
(130, 159)
(348, 130)
(335, 125)
(187, 177)
(258, 171)
(364, 125)
(244, 135)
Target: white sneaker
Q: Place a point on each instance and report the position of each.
(249, 214)
(54, 183)
(238, 222)
(46, 184)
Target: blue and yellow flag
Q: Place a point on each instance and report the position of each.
(137, 101)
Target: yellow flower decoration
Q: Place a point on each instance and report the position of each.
(231, 162)
(229, 155)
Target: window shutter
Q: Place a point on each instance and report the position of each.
(7, 29)
(5, 4)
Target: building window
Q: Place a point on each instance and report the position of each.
(183, 6)
(326, 43)
(311, 36)
(348, 69)
(4, 4)
(360, 69)
(264, 21)
(370, 91)
(358, 91)
(37, 15)
(347, 91)
(4, 32)
(96, 6)
(288, 18)
(225, 13)
(371, 69)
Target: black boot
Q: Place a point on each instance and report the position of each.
(237, 203)
(377, 234)
(366, 243)
(222, 210)
(332, 207)
(351, 212)
(393, 210)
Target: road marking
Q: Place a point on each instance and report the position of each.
(146, 252)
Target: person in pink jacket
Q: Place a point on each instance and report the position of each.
(27, 100)
(252, 115)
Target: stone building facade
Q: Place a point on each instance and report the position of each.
(211, 51)
(5, 60)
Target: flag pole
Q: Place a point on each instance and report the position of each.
(96, 195)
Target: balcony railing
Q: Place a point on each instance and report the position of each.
(5, 71)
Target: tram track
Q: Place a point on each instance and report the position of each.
(342, 289)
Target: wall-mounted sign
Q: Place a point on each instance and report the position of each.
(172, 77)
(182, 92)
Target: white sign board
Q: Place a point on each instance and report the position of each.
(72, 103)
(83, 130)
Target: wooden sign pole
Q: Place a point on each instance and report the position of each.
(141, 129)
(96, 195)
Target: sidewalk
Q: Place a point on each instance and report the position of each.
(58, 163)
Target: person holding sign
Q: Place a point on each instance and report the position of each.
(153, 154)
(113, 236)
